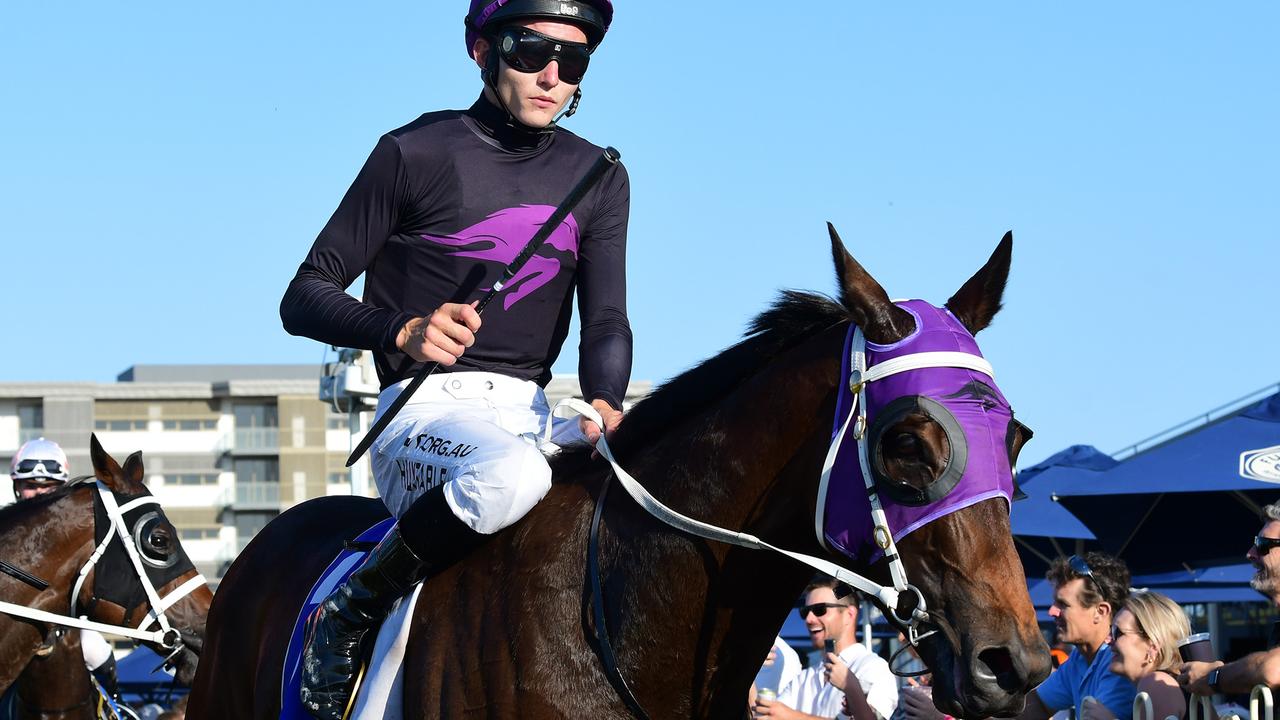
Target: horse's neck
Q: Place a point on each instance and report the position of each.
(752, 464)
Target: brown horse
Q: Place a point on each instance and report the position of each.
(53, 536)
(738, 441)
(56, 684)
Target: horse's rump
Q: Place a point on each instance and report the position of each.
(252, 615)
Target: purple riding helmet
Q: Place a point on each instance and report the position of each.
(594, 16)
(966, 403)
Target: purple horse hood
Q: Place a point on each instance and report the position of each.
(966, 403)
(502, 235)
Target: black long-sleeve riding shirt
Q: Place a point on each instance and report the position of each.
(439, 209)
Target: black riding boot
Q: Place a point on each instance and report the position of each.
(427, 539)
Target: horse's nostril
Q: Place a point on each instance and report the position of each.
(998, 661)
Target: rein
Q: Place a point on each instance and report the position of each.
(887, 597)
(166, 637)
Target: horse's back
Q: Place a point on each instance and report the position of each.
(254, 610)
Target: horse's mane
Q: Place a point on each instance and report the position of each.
(794, 314)
(12, 512)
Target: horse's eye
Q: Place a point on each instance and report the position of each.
(159, 540)
(904, 444)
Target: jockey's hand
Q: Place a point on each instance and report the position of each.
(442, 336)
(611, 419)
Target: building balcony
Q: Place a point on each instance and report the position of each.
(253, 496)
(256, 441)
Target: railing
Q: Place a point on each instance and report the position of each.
(257, 493)
(1262, 693)
(257, 438)
(1261, 706)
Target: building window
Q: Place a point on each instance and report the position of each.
(31, 416)
(119, 425)
(198, 533)
(256, 471)
(257, 416)
(190, 425)
(191, 478)
(339, 478)
(337, 422)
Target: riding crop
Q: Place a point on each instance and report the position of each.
(608, 159)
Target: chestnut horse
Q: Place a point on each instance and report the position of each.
(738, 441)
(71, 539)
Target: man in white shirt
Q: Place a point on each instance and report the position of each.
(830, 611)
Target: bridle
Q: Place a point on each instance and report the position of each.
(167, 637)
(887, 597)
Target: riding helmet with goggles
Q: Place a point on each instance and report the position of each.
(487, 16)
(39, 459)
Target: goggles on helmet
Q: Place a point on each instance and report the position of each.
(37, 468)
(530, 51)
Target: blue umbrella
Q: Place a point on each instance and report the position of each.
(1042, 527)
(1193, 501)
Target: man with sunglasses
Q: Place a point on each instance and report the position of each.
(852, 672)
(440, 207)
(1260, 668)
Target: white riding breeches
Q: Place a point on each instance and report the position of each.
(478, 434)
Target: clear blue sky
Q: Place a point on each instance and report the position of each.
(164, 167)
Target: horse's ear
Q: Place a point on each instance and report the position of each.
(105, 467)
(978, 301)
(881, 321)
(132, 470)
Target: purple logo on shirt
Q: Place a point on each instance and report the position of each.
(500, 238)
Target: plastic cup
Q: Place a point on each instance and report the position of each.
(1197, 648)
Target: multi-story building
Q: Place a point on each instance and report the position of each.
(226, 447)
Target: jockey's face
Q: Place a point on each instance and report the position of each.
(31, 487)
(534, 98)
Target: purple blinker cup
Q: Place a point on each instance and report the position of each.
(1197, 648)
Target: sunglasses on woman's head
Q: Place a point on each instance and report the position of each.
(818, 609)
(530, 51)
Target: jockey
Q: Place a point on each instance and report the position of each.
(40, 466)
(440, 207)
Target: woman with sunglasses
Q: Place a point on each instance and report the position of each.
(1144, 649)
(440, 207)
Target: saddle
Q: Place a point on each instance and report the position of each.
(342, 566)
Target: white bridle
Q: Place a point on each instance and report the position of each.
(860, 376)
(167, 637)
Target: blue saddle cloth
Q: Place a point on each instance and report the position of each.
(338, 571)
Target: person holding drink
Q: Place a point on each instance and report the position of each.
(849, 674)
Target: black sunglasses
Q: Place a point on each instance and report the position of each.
(1265, 545)
(51, 466)
(818, 609)
(530, 51)
(1081, 567)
